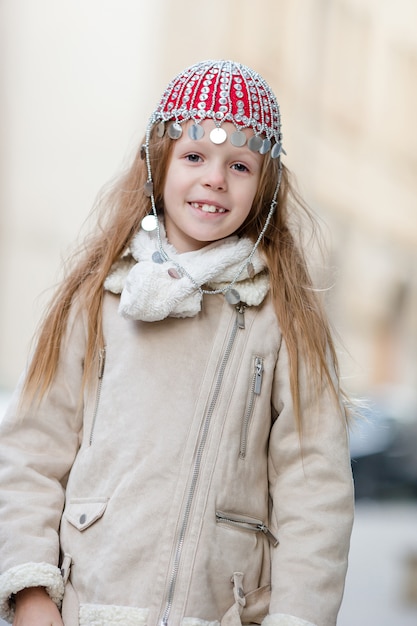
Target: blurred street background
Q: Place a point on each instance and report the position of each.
(78, 80)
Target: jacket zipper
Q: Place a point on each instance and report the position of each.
(101, 363)
(254, 391)
(239, 323)
(241, 315)
(246, 523)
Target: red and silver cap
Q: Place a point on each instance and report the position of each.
(223, 91)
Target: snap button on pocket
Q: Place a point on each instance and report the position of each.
(83, 512)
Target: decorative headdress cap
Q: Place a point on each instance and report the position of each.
(223, 91)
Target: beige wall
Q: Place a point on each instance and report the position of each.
(78, 80)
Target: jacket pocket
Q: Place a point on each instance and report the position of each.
(254, 391)
(245, 523)
(83, 512)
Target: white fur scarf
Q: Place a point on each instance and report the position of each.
(149, 293)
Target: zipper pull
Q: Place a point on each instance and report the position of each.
(65, 567)
(258, 375)
(271, 538)
(101, 362)
(241, 315)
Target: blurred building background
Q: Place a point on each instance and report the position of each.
(78, 79)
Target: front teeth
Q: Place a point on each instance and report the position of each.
(208, 208)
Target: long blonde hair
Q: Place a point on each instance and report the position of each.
(299, 312)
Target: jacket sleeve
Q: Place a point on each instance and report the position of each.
(311, 491)
(38, 445)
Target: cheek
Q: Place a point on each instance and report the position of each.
(175, 179)
(241, 216)
(168, 190)
(248, 198)
(246, 203)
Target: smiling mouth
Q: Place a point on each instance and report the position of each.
(208, 208)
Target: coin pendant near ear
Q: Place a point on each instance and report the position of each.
(149, 223)
(148, 188)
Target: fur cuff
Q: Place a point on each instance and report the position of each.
(29, 575)
(112, 615)
(281, 619)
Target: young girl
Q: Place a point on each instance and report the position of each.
(177, 453)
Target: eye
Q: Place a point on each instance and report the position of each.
(239, 167)
(193, 158)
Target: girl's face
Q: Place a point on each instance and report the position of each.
(209, 189)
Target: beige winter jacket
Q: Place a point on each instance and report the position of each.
(186, 497)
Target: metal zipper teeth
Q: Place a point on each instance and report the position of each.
(254, 526)
(196, 468)
(101, 363)
(255, 390)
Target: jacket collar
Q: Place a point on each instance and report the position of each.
(152, 289)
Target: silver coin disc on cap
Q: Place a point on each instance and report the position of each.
(255, 143)
(276, 150)
(174, 130)
(160, 129)
(238, 139)
(266, 146)
(218, 135)
(196, 131)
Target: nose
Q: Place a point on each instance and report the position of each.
(215, 177)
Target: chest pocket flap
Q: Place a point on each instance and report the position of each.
(83, 512)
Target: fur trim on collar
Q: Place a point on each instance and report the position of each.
(151, 292)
